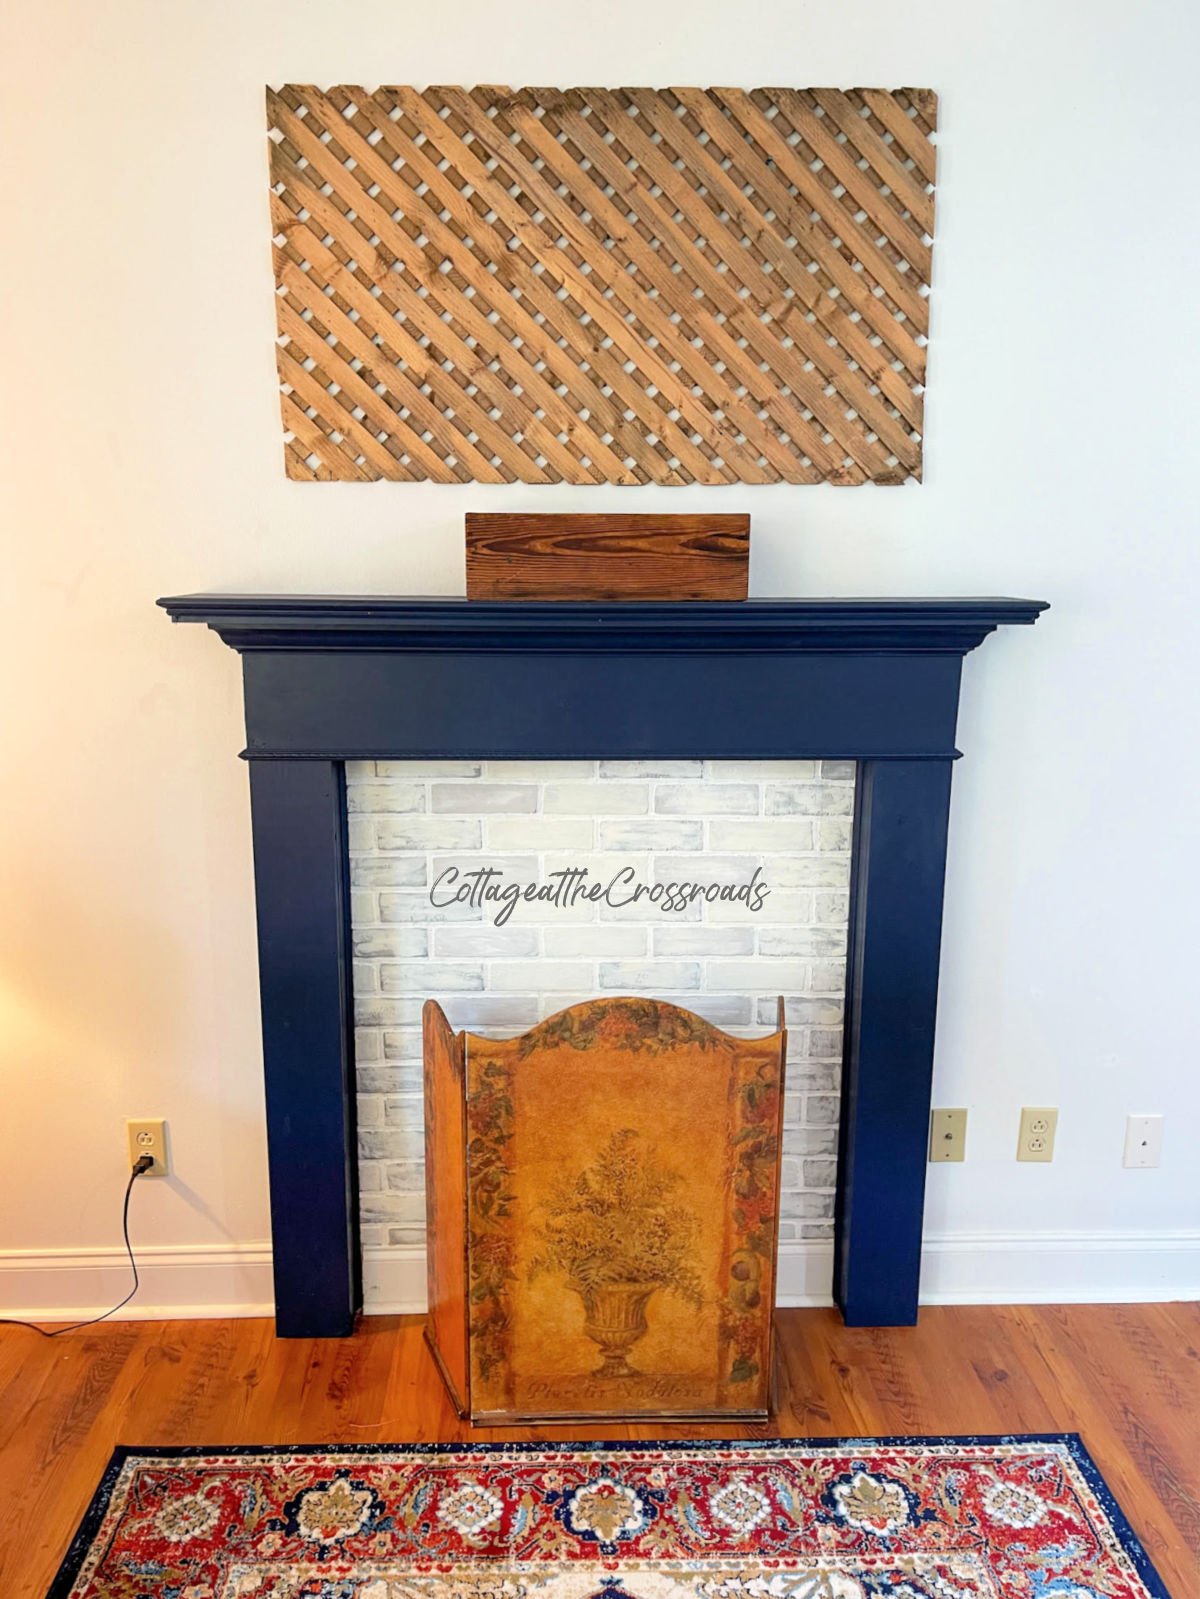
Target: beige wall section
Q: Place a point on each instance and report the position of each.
(139, 455)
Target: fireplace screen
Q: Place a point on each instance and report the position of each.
(603, 1204)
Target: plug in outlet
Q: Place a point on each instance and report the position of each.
(1039, 1123)
(948, 1135)
(148, 1138)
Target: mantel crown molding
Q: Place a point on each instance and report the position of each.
(398, 624)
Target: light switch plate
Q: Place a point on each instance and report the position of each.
(948, 1135)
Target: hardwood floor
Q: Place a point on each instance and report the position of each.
(1127, 1377)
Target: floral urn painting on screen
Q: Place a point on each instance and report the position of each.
(603, 1202)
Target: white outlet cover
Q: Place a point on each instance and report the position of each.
(1143, 1141)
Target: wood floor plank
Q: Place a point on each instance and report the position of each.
(1126, 1377)
(1147, 1445)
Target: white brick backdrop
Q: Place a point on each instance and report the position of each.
(702, 821)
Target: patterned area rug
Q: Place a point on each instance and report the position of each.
(945, 1518)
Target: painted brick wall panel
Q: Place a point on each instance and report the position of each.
(671, 821)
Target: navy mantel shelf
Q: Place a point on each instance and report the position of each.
(329, 679)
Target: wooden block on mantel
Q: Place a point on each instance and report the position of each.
(583, 557)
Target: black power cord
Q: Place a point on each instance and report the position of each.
(142, 1164)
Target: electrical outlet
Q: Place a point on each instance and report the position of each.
(1039, 1123)
(1143, 1141)
(148, 1138)
(948, 1135)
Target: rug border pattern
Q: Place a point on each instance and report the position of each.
(93, 1516)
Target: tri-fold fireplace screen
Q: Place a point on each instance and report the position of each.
(602, 286)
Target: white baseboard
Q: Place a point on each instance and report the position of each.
(956, 1269)
(195, 1281)
(185, 1282)
(1060, 1268)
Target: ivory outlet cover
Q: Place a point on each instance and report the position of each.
(1039, 1123)
(148, 1137)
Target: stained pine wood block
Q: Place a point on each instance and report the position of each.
(580, 557)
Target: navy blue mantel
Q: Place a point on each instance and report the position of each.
(331, 678)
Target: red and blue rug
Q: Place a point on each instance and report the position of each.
(905, 1518)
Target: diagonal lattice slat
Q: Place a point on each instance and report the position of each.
(602, 285)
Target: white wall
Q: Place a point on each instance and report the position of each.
(141, 456)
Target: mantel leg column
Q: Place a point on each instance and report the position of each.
(901, 816)
(300, 878)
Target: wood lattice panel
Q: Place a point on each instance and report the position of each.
(602, 286)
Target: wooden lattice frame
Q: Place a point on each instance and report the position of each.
(602, 286)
